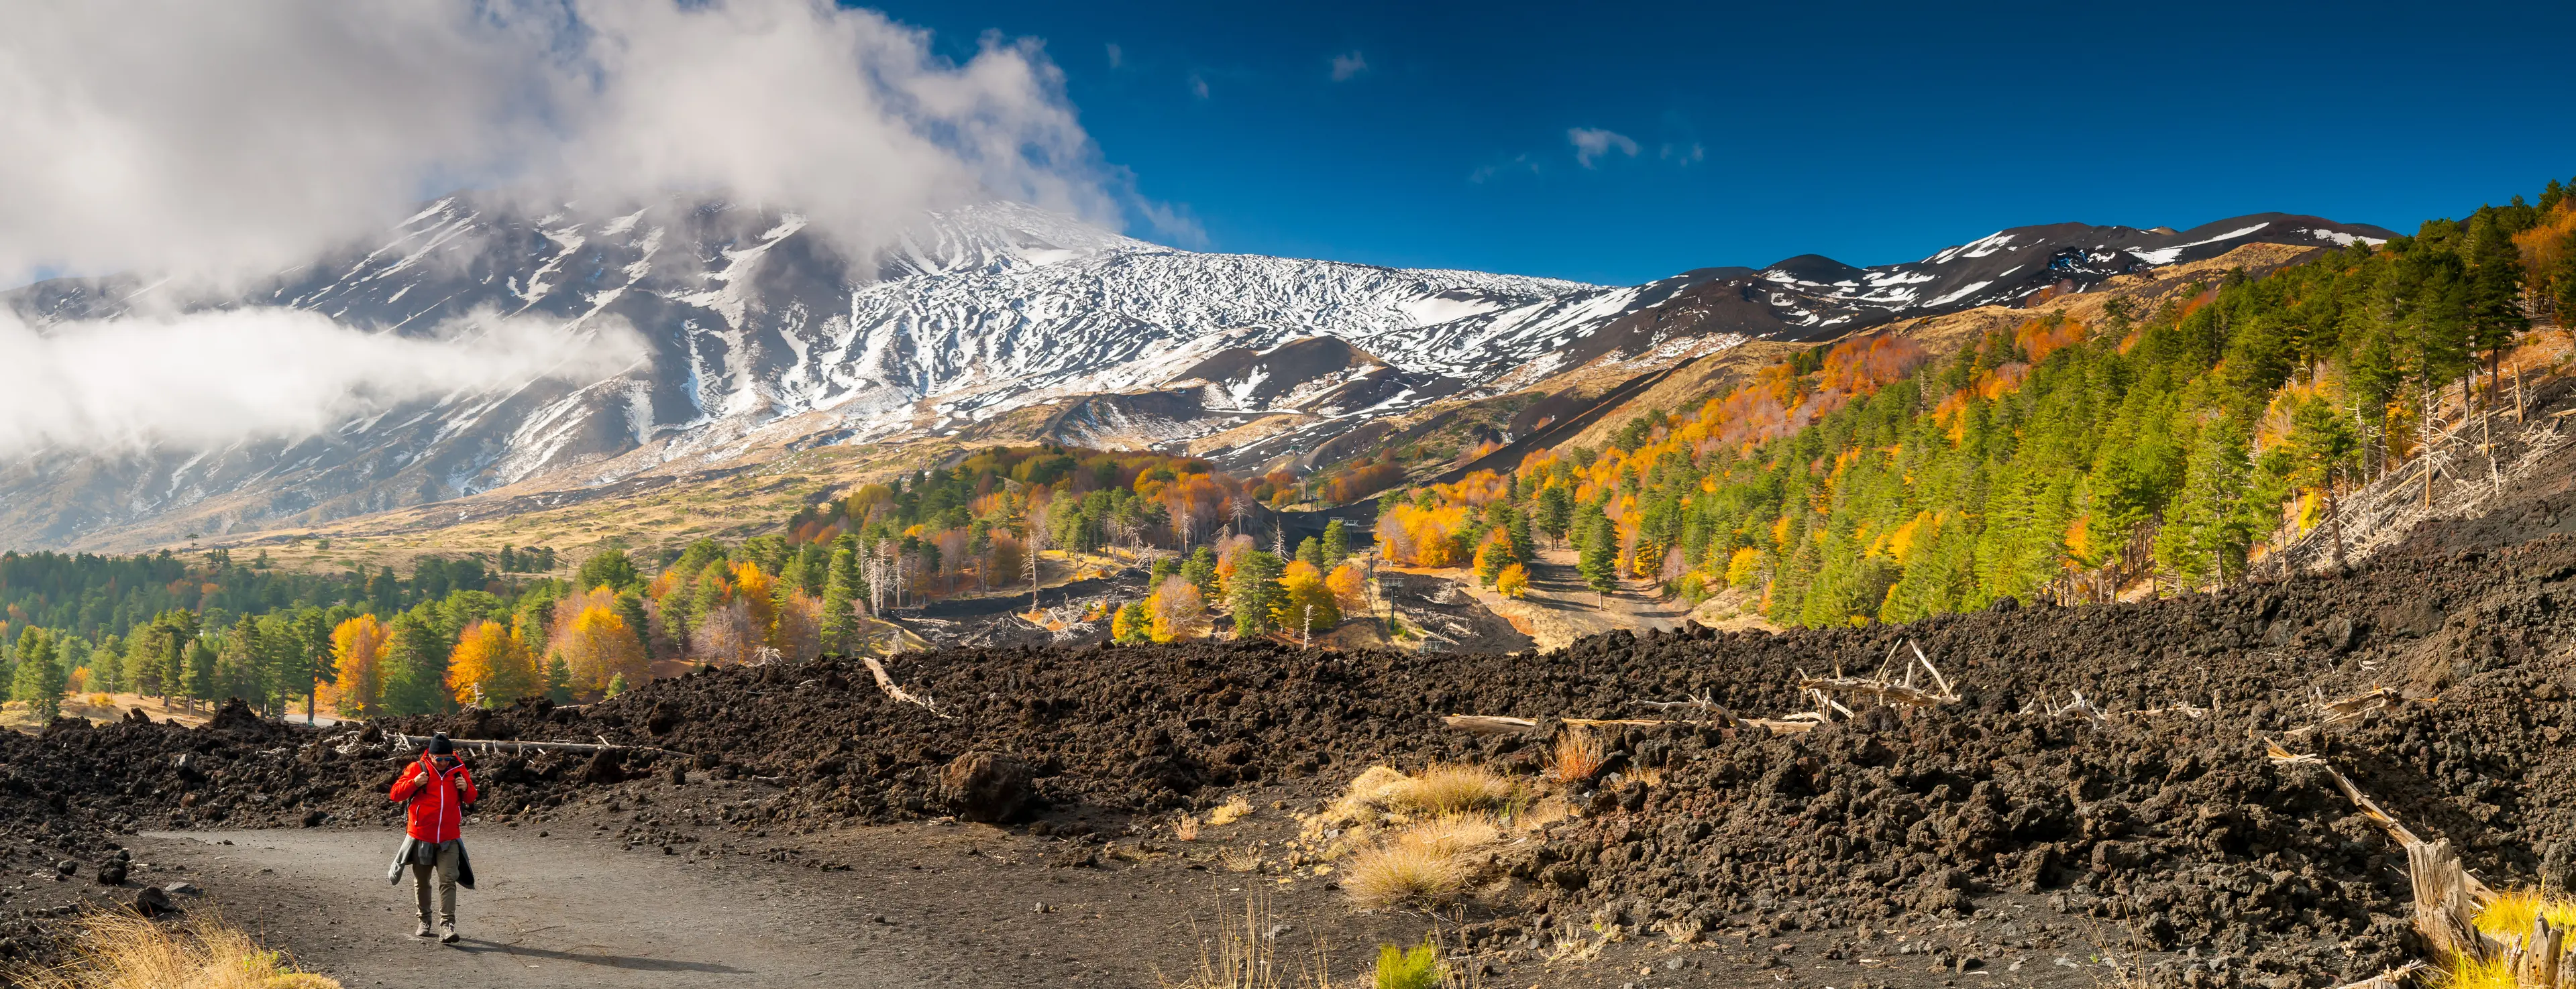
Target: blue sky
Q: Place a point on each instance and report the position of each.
(1620, 144)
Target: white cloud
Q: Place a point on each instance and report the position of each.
(1593, 142)
(1198, 85)
(226, 141)
(1518, 164)
(1174, 223)
(216, 144)
(205, 380)
(1117, 56)
(1684, 154)
(1346, 66)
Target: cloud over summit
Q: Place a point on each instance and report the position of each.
(212, 145)
(217, 141)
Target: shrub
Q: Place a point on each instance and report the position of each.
(1578, 755)
(1418, 968)
(1513, 582)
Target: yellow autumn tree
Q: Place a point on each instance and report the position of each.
(1305, 604)
(756, 591)
(491, 666)
(1179, 612)
(358, 653)
(598, 646)
(1513, 582)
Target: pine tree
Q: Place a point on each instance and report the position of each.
(608, 568)
(1337, 542)
(1201, 570)
(1598, 562)
(1555, 512)
(2495, 294)
(840, 591)
(558, 680)
(1517, 533)
(38, 682)
(1253, 591)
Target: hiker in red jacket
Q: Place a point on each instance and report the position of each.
(436, 790)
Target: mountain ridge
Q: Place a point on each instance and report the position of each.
(762, 334)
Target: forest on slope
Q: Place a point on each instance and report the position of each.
(1870, 480)
(488, 628)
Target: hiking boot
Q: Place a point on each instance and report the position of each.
(447, 932)
(423, 929)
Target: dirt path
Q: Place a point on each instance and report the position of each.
(1560, 607)
(898, 905)
(553, 912)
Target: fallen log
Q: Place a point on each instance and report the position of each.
(1496, 724)
(414, 742)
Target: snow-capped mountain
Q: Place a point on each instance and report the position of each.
(759, 332)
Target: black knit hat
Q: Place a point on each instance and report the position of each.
(439, 745)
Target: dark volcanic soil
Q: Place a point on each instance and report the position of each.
(1985, 836)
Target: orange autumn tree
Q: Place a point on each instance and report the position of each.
(491, 666)
(358, 652)
(1349, 586)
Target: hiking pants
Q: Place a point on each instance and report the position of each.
(446, 869)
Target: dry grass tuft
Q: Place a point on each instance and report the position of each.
(1453, 789)
(1245, 956)
(1578, 755)
(125, 951)
(1369, 793)
(1234, 809)
(1452, 836)
(1187, 829)
(1397, 873)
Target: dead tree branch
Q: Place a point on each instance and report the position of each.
(886, 683)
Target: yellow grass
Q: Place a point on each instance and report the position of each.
(1234, 809)
(1452, 789)
(124, 951)
(2468, 974)
(1396, 873)
(1578, 755)
(1451, 836)
(2512, 914)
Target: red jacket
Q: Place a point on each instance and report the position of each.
(436, 813)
